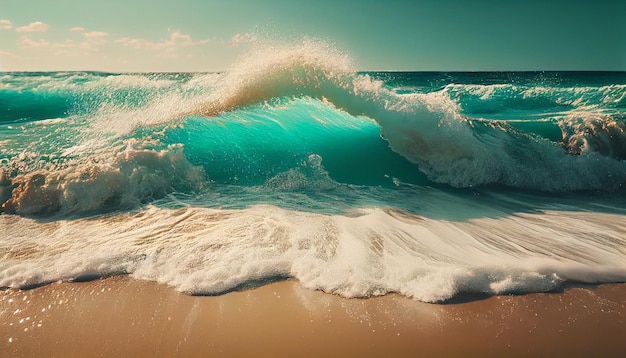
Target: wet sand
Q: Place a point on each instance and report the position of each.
(119, 316)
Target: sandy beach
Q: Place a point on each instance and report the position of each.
(119, 316)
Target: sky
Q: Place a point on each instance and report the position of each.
(403, 35)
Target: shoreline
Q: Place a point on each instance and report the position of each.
(120, 316)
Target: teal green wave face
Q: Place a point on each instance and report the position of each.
(32, 106)
(249, 146)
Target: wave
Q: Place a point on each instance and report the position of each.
(368, 252)
(28, 97)
(23, 107)
(293, 165)
(428, 129)
(278, 106)
(506, 101)
(134, 176)
(595, 132)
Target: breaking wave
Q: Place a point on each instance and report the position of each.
(293, 165)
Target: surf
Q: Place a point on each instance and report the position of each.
(293, 165)
(368, 252)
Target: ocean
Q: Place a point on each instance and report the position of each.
(292, 165)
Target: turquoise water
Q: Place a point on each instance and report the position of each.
(425, 184)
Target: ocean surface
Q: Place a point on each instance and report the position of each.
(293, 165)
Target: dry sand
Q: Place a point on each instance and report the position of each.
(119, 316)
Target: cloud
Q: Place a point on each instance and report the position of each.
(5, 24)
(176, 39)
(27, 42)
(239, 39)
(8, 54)
(37, 26)
(90, 44)
(94, 34)
(92, 41)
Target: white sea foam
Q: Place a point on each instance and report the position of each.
(370, 251)
(586, 132)
(81, 81)
(576, 96)
(133, 176)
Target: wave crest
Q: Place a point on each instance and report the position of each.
(136, 175)
(596, 132)
(274, 70)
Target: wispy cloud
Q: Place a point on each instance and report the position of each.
(8, 54)
(81, 46)
(92, 41)
(36, 26)
(176, 39)
(27, 42)
(89, 44)
(5, 24)
(95, 34)
(244, 38)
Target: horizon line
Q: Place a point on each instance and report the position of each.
(356, 71)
